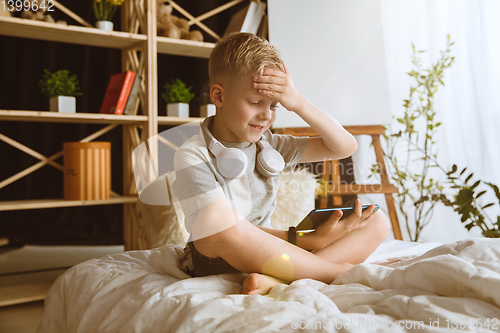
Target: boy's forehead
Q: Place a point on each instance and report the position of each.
(244, 83)
(237, 83)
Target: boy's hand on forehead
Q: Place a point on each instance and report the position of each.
(279, 86)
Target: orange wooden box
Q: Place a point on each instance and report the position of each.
(87, 170)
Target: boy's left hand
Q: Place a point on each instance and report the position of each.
(278, 85)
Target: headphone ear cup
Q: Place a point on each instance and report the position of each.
(263, 171)
(270, 162)
(232, 163)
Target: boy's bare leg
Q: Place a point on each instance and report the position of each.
(250, 249)
(359, 246)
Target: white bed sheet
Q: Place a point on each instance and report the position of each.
(400, 249)
(451, 287)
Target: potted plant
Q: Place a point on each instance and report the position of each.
(207, 109)
(61, 88)
(177, 96)
(104, 10)
(418, 192)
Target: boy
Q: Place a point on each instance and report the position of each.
(228, 211)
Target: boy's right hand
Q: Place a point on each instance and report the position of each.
(335, 228)
(279, 86)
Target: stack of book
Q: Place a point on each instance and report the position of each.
(122, 94)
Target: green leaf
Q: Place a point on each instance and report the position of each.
(491, 233)
(176, 91)
(480, 194)
(468, 178)
(453, 170)
(495, 188)
(488, 205)
(59, 83)
(461, 173)
(476, 184)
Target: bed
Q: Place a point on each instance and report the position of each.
(437, 288)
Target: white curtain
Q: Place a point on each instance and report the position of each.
(468, 105)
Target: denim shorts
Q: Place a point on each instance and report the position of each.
(204, 265)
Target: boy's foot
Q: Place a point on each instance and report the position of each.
(259, 284)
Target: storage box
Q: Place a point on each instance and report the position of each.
(87, 170)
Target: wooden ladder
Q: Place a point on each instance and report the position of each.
(331, 174)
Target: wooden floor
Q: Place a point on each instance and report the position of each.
(27, 273)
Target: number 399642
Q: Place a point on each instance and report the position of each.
(27, 5)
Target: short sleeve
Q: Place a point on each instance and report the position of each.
(195, 184)
(291, 147)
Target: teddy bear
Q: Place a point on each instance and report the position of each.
(169, 25)
(40, 14)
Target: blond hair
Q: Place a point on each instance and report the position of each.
(239, 55)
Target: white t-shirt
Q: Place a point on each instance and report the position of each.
(197, 182)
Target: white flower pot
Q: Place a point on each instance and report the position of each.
(207, 110)
(104, 25)
(178, 110)
(63, 104)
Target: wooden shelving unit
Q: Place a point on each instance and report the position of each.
(140, 46)
(125, 41)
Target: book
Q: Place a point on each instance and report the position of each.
(133, 96)
(117, 92)
(258, 14)
(247, 19)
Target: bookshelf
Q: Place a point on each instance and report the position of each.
(139, 48)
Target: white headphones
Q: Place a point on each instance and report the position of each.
(232, 162)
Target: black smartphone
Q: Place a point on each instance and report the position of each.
(318, 216)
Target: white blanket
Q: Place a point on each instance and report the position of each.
(452, 287)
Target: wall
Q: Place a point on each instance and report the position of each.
(334, 50)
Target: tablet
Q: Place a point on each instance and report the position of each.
(318, 216)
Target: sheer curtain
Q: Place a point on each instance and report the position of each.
(468, 105)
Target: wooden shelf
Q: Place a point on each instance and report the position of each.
(18, 27)
(182, 47)
(177, 120)
(23, 293)
(24, 28)
(79, 117)
(87, 118)
(56, 203)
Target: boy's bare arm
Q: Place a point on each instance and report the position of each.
(250, 249)
(219, 216)
(334, 141)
